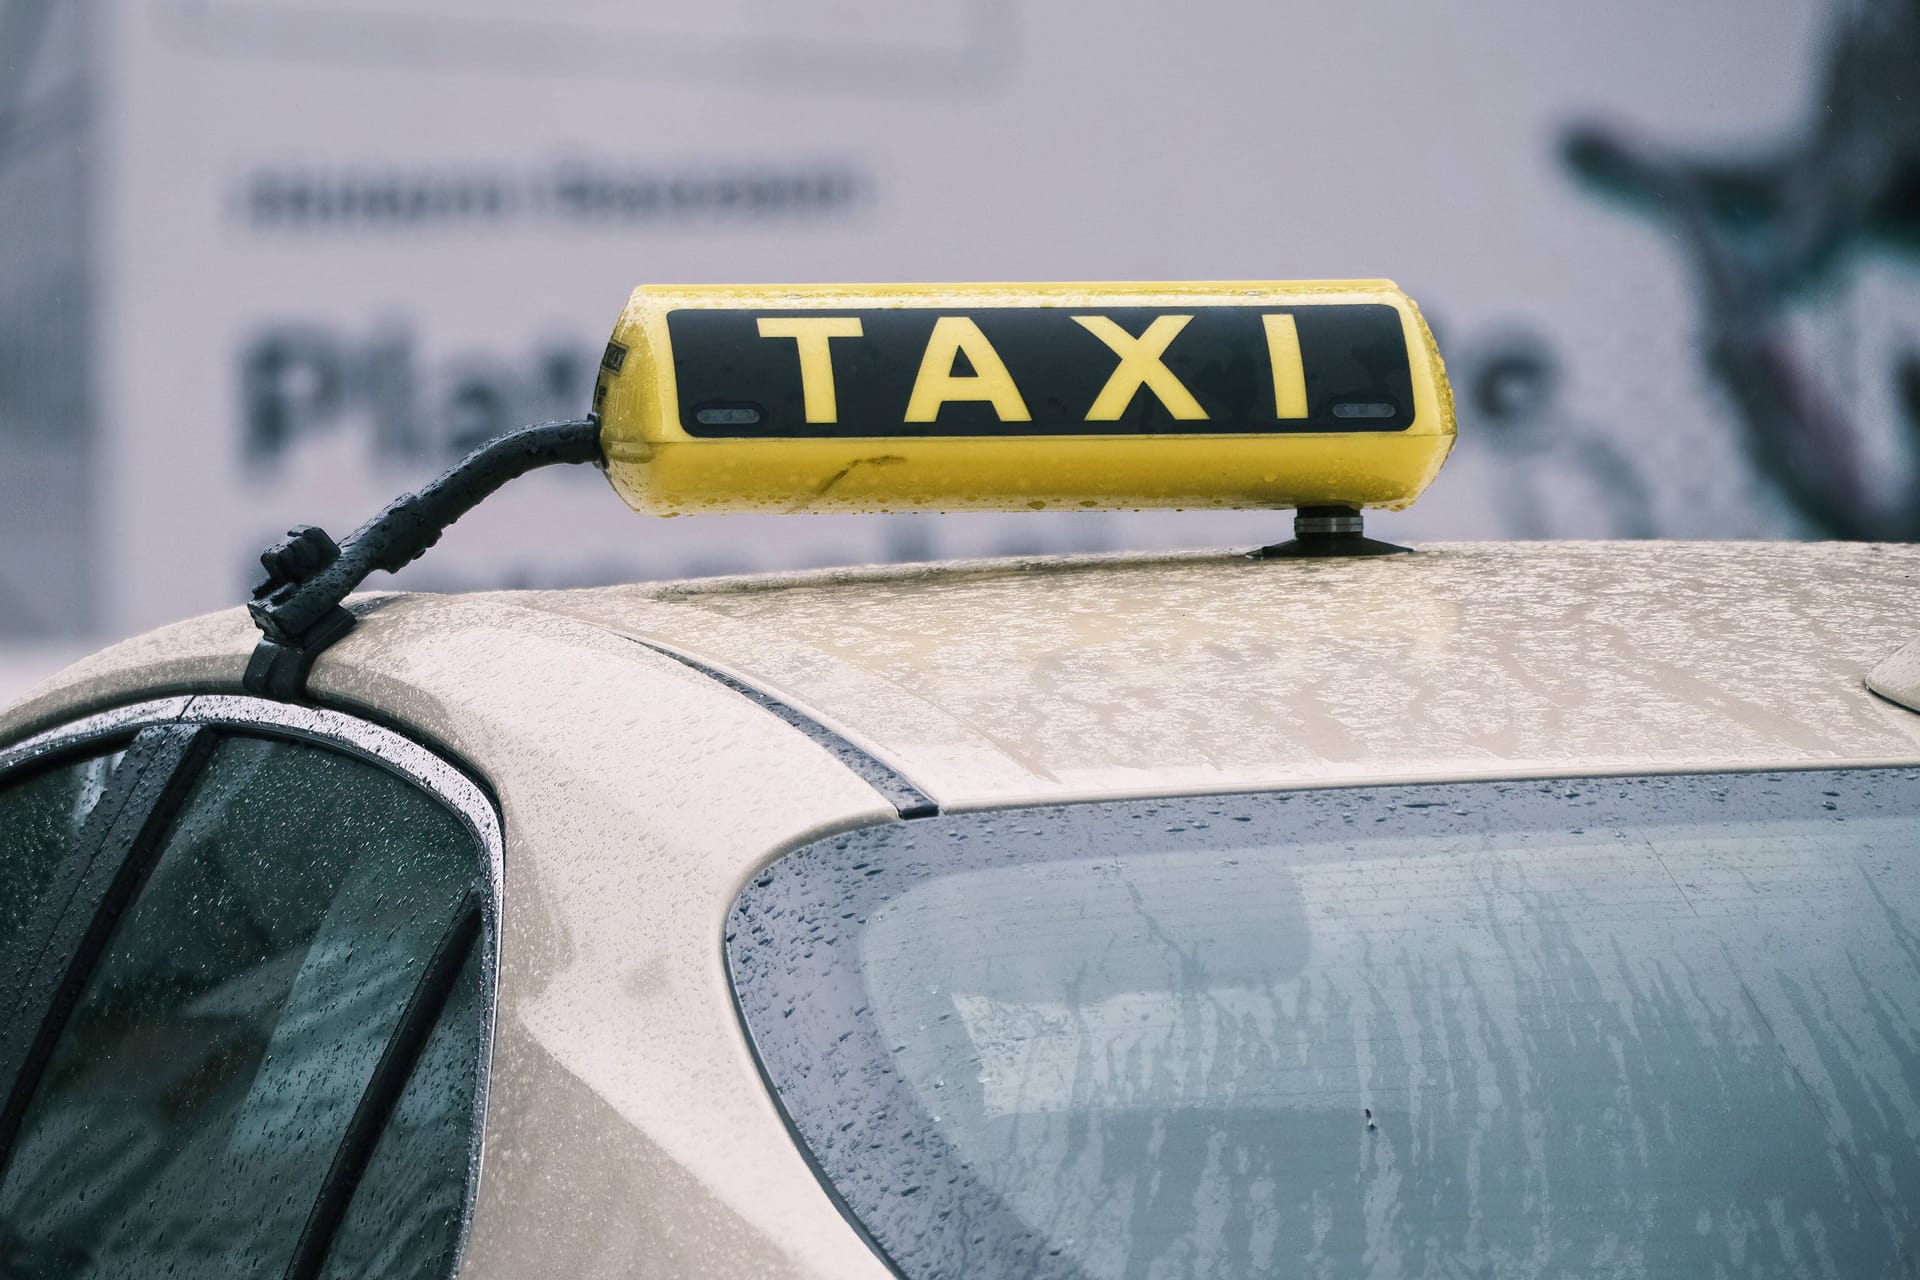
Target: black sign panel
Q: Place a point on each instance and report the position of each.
(871, 372)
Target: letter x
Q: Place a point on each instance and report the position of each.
(1140, 366)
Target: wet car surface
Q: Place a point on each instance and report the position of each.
(1527, 908)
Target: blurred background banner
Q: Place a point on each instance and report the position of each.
(275, 261)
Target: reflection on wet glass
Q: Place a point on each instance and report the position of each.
(193, 1103)
(1416, 1032)
(404, 1222)
(39, 819)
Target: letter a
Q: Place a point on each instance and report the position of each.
(811, 335)
(1140, 366)
(937, 384)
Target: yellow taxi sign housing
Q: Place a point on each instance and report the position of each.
(958, 397)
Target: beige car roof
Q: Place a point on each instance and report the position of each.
(998, 682)
(1066, 679)
(626, 1124)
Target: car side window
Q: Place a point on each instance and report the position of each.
(404, 1221)
(40, 817)
(235, 1054)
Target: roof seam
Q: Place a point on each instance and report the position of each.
(907, 799)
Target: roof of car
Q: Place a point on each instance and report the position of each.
(637, 794)
(1108, 675)
(993, 682)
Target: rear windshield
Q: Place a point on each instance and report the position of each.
(1663, 1026)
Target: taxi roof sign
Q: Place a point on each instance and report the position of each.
(999, 396)
(1323, 396)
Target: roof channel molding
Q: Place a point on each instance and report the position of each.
(907, 799)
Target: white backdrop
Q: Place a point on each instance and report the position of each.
(332, 241)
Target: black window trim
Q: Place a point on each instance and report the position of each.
(177, 727)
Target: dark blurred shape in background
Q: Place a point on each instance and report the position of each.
(1766, 230)
(273, 261)
(45, 409)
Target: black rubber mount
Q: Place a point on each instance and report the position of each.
(1328, 533)
(297, 605)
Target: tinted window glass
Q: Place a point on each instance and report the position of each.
(1646, 1027)
(194, 1102)
(39, 817)
(404, 1222)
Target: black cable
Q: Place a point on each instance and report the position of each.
(298, 605)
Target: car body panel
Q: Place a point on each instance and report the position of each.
(207, 654)
(623, 855)
(638, 794)
(1096, 677)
